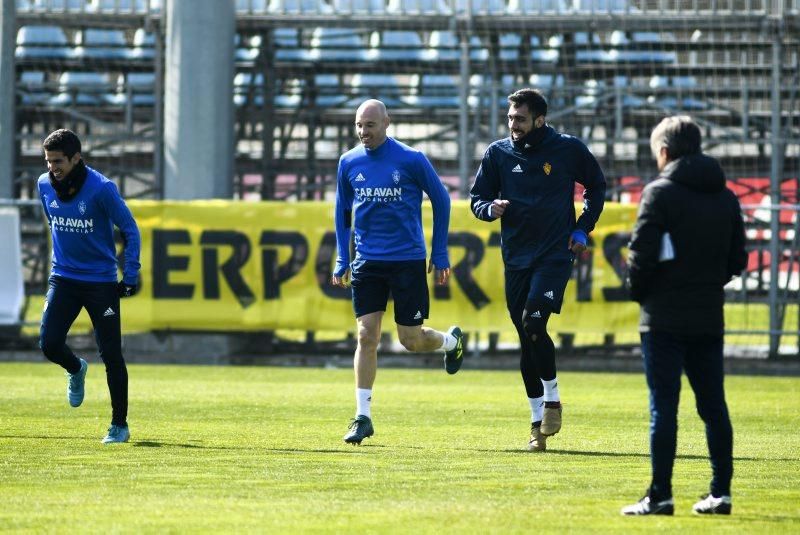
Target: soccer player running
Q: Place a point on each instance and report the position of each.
(379, 199)
(527, 180)
(687, 243)
(82, 208)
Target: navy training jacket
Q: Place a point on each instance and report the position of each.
(539, 181)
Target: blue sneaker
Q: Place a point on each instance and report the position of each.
(360, 428)
(454, 357)
(75, 385)
(117, 433)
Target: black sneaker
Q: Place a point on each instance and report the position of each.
(454, 357)
(711, 505)
(360, 428)
(647, 507)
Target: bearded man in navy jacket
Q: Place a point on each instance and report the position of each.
(82, 208)
(527, 180)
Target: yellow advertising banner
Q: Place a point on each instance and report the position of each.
(239, 266)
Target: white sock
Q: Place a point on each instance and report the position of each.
(448, 342)
(363, 401)
(551, 390)
(537, 409)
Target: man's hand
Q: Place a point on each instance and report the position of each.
(442, 275)
(126, 290)
(577, 241)
(499, 207)
(342, 281)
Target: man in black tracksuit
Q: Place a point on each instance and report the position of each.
(527, 180)
(687, 243)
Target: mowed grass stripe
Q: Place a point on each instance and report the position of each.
(249, 449)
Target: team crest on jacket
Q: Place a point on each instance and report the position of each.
(82, 207)
(396, 176)
(547, 168)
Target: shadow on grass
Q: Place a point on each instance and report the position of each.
(347, 449)
(136, 444)
(156, 444)
(366, 447)
(619, 454)
(52, 437)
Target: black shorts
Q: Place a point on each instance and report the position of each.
(407, 282)
(544, 283)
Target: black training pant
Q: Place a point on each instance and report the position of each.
(64, 301)
(537, 358)
(666, 356)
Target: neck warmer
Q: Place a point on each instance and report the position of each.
(532, 138)
(70, 185)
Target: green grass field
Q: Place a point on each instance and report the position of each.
(259, 449)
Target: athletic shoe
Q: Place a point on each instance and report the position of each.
(711, 505)
(75, 385)
(551, 420)
(647, 507)
(454, 357)
(360, 428)
(117, 433)
(537, 442)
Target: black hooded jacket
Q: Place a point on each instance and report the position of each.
(689, 201)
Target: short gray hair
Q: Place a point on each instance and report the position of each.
(679, 134)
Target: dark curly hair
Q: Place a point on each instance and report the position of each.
(63, 140)
(533, 98)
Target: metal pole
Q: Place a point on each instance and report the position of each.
(268, 173)
(776, 174)
(198, 99)
(8, 36)
(158, 111)
(494, 53)
(464, 152)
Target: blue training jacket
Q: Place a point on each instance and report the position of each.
(83, 231)
(380, 191)
(539, 182)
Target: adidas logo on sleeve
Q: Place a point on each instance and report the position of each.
(517, 169)
(54, 204)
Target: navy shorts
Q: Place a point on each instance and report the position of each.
(406, 281)
(543, 283)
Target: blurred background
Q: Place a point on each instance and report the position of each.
(253, 100)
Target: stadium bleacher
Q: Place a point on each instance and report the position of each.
(610, 69)
(610, 77)
(42, 42)
(144, 44)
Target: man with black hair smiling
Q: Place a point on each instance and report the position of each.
(82, 208)
(527, 180)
